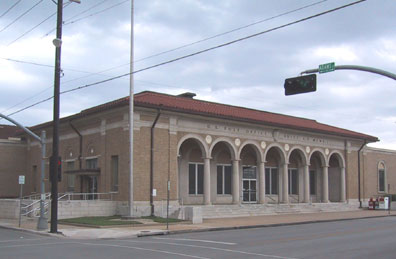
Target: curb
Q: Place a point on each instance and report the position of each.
(174, 232)
(147, 233)
(41, 233)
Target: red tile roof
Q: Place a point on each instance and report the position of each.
(150, 99)
(199, 107)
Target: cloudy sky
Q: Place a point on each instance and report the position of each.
(250, 73)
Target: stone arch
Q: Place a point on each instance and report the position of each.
(336, 171)
(256, 148)
(251, 157)
(298, 183)
(317, 163)
(301, 152)
(192, 152)
(321, 155)
(228, 143)
(275, 162)
(199, 140)
(339, 156)
(279, 149)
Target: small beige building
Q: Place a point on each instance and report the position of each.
(211, 154)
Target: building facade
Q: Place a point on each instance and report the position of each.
(207, 154)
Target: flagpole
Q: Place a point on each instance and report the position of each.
(131, 104)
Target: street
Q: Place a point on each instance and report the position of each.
(361, 238)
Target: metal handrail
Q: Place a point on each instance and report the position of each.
(86, 196)
(294, 198)
(269, 197)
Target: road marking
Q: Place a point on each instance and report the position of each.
(319, 236)
(147, 249)
(23, 239)
(196, 240)
(214, 248)
(39, 244)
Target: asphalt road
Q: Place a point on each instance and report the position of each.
(364, 238)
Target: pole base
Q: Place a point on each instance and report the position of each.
(42, 223)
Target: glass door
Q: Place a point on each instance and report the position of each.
(249, 181)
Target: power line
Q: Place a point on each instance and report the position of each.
(44, 65)
(99, 12)
(183, 46)
(90, 15)
(34, 27)
(19, 17)
(89, 9)
(230, 31)
(9, 9)
(198, 52)
(217, 47)
(31, 29)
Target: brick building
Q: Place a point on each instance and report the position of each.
(211, 153)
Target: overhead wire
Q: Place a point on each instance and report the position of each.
(183, 46)
(37, 25)
(78, 14)
(158, 54)
(9, 9)
(31, 29)
(23, 14)
(99, 12)
(198, 52)
(90, 15)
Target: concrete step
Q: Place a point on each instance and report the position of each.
(220, 211)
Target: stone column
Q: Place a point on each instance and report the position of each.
(306, 184)
(325, 172)
(262, 183)
(285, 184)
(207, 181)
(343, 189)
(235, 181)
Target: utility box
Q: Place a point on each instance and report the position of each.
(371, 204)
(383, 203)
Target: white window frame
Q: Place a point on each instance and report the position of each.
(290, 178)
(270, 180)
(223, 179)
(381, 167)
(196, 178)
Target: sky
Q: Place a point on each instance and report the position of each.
(250, 73)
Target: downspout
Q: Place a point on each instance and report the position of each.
(80, 149)
(346, 171)
(359, 196)
(152, 161)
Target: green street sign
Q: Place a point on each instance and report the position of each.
(324, 68)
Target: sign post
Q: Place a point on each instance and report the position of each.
(21, 181)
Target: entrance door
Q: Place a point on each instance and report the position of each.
(249, 180)
(90, 187)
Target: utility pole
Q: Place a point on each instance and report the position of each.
(55, 129)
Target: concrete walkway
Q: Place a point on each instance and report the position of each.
(208, 224)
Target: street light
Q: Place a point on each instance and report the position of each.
(55, 135)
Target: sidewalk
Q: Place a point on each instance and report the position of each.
(208, 224)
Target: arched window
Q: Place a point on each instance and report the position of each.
(381, 177)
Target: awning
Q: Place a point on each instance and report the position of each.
(87, 172)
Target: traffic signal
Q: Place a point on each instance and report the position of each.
(300, 84)
(59, 172)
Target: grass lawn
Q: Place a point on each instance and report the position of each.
(162, 220)
(100, 221)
